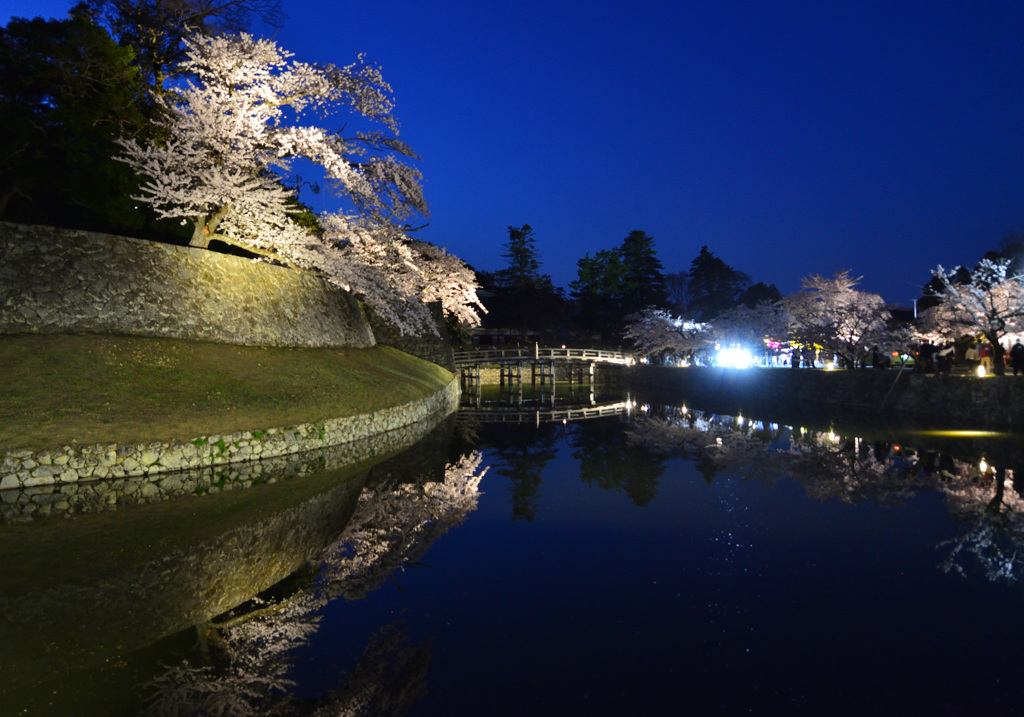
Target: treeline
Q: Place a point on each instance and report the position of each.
(622, 296)
(610, 286)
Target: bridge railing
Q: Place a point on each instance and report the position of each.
(541, 354)
(519, 415)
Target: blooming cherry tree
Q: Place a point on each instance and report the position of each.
(231, 135)
(448, 280)
(832, 313)
(655, 331)
(990, 302)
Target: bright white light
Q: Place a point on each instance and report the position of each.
(735, 358)
(981, 370)
(983, 466)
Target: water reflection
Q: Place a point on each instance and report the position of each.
(611, 460)
(243, 661)
(834, 465)
(652, 535)
(79, 595)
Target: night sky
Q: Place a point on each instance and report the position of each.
(789, 137)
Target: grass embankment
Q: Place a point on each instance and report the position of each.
(69, 389)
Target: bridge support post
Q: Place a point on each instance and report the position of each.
(519, 382)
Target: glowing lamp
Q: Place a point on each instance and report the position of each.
(735, 358)
(981, 370)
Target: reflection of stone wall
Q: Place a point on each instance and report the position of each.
(47, 479)
(63, 281)
(73, 623)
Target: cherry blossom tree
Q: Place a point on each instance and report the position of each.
(656, 331)
(751, 326)
(231, 137)
(832, 313)
(448, 280)
(990, 303)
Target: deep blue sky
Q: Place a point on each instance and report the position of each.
(790, 137)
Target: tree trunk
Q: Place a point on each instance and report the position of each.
(204, 227)
(998, 363)
(200, 235)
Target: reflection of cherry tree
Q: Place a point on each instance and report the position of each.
(854, 470)
(991, 526)
(829, 466)
(247, 658)
(394, 528)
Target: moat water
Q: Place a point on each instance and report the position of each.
(660, 560)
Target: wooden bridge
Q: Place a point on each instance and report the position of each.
(579, 365)
(496, 357)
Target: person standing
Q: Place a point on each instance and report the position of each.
(1017, 358)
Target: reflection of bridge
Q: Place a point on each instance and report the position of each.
(546, 415)
(579, 364)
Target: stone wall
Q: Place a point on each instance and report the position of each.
(949, 401)
(436, 348)
(64, 281)
(43, 480)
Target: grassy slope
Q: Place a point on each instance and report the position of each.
(65, 389)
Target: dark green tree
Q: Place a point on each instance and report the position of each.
(714, 286)
(616, 283)
(760, 293)
(523, 270)
(521, 296)
(67, 93)
(596, 293)
(643, 277)
(154, 29)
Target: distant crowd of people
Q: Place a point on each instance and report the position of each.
(927, 358)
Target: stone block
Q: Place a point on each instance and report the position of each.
(69, 476)
(9, 482)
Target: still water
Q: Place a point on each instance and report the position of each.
(661, 560)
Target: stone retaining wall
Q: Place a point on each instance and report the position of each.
(55, 470)
(66, 281)
(952, 401)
